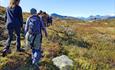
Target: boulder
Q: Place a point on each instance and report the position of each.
(63, 62)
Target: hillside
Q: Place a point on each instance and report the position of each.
(90, 44)
(2, 10)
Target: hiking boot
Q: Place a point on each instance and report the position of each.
(5, 52)
(20, 50)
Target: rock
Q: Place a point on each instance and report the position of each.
(63, 62)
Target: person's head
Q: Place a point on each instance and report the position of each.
(44, 13)
(14, 3)
(40, 12)
(33, 11)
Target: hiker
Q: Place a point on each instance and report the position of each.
(40, 13)
(33, 30)
(45, 19)
(44, 16)
(14, 22)
(49, 20)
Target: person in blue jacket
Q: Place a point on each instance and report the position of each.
(33, 35)
(14, 22)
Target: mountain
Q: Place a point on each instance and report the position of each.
(112, 17)
(63, 17)
(97, 17)
(58, 16)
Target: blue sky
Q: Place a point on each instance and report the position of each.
(76, 8)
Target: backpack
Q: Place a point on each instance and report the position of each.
(34, 25)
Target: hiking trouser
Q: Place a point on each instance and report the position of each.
(10, 37)
(37, 41)
(36, 55)
(36, 48)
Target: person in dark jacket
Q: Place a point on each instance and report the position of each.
(33, 35)
(49, 20)
(14, 22)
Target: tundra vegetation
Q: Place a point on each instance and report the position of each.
(91, 46)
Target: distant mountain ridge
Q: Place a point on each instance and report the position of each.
(63, 17)
(97, 17)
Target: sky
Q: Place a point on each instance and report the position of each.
(76, 8)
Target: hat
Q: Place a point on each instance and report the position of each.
(33, 11)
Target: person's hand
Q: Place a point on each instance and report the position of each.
(31, 45)
(21, 25)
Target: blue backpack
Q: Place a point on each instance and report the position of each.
(34, 25)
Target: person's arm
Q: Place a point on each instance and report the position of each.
(26, 26)
(21, 17)
(5, 19)
(43, 27)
